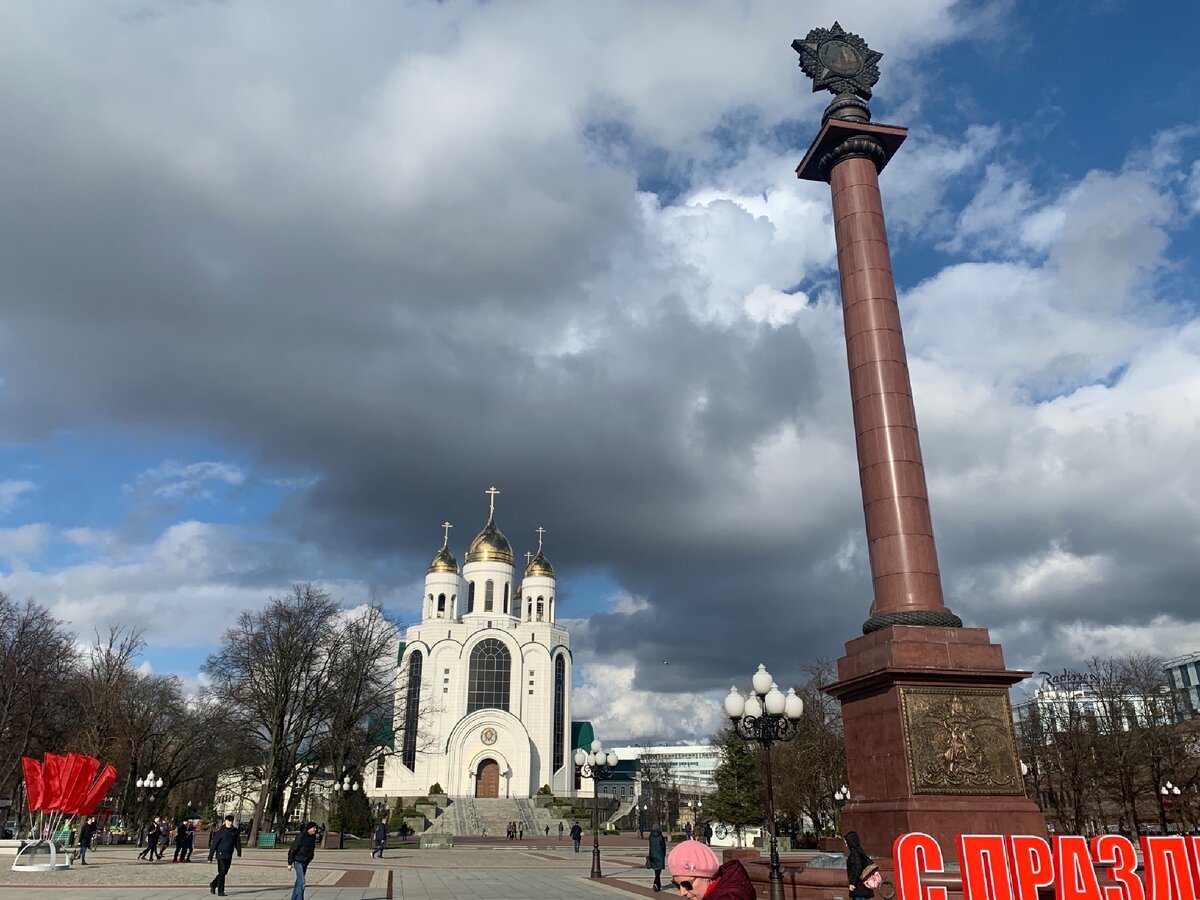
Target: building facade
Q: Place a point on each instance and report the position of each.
(483, 705)
(1183, 675)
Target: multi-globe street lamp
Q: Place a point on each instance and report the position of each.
(765, 716)
(1168, 792)
(840, 796)
(597, 765)
(341, 790)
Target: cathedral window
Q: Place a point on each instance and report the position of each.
(551, 616)
(412, 711)
(489, 593)
(506, 598)
(541, 608)
(379, 772)
(471, 597)
(559, 738)
(441, 605)
(490, 676)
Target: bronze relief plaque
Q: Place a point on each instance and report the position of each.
(960, 741)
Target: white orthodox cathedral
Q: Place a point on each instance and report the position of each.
(483, 706)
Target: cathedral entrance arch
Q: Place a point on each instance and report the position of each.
(487, 778)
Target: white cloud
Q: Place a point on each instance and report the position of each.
(12, 491)
(174, 480)
(18, 545)
(605, 694)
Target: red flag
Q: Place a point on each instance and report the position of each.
(97, 791)
(88, 767)
(53, 770)
(33, 783)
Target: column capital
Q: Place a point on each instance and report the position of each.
(840, 139)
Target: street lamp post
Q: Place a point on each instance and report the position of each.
(840, 796)
(150, 783)
(598, 766)
(765, 716)
(341, 789)
(1169, 791)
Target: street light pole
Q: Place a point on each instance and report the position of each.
(341, 789)
(765, 716)
(598, 766)
(1169, 791)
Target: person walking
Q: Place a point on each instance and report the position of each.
(576, 835)
(560, 832)
(153, 833)
(656, 856)
(86, 834)
(225, 842)
(521, 832)
(380, 838)
(191, 841)
(697, 875)
(856, 861)
(181, 832)
(301, 853)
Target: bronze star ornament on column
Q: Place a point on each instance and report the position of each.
(838, 61)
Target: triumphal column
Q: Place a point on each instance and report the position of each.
(929, 737)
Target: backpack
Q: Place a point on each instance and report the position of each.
(871, 877)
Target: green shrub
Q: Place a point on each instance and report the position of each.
(545, 791)
(436, 788)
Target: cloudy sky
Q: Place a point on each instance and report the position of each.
(285, 285)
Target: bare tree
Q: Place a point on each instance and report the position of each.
(271, 674)
(811, 767)
(38, 666)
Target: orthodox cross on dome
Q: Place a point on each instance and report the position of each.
(838, 61)
(540, 531)
(491, 492)
(528, 558)
(446, 526)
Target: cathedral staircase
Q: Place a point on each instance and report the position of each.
(471, 815)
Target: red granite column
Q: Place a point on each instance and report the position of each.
(904, 566)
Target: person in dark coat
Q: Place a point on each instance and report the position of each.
(300, 854)
(576, 835)
(86, 834)
(191, 841)
(697, 875)
(656, 857)
(856, 861)
(380, 838)
(153, 834)
(180, 841)
(225, 842)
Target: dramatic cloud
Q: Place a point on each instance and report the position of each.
(321, 278)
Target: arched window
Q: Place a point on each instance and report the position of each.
(541, 608)
(441, 605)
(454, 604)
(506, 598)
(529, 611)
(559, 738)
(412, 711)
(551, 616)
(471, 597)
(490, 676)
(489, 592)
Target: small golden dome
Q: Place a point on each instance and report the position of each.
(444, 562)
(539, 565)
(490, 545)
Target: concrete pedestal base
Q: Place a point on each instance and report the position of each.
(929, 738)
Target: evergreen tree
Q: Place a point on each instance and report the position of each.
(738, 800)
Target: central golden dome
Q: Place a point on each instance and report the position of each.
(490, 545)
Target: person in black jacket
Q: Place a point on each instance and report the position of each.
(856, 861)
(224, 843)
(380, 838)
(153, 833)
(181, 828)
(86, 833)
(300, 854)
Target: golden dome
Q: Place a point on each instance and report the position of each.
(539, 565)
(490, 545)
(444, 562)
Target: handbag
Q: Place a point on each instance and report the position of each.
(649, 863)
(871, 877)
